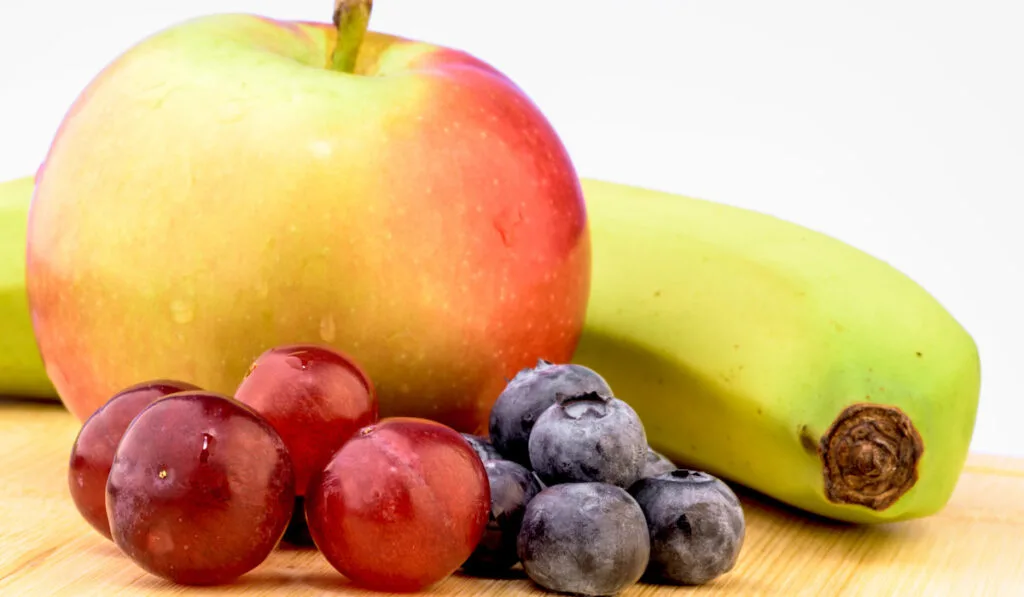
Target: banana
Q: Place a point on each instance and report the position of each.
(777, 357)
(21, 367)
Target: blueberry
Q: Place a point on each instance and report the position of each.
(584, 538)
(656, 464)
(588, 438)
(482, 446)
(696, 526)
(512, 488)
(529, 394)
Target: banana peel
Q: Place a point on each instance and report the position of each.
(777, 357)
(22, 373)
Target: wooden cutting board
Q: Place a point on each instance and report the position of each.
(973, 547)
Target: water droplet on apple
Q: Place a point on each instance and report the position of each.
(328, 329)
(506, 224)
(181, 311)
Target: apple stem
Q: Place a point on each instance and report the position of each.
(351, 17)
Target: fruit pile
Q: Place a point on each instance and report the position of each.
(408, 203)
(199, 487)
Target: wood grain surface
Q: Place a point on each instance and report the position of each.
(975, 546)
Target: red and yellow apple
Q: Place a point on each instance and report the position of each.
(220, 189)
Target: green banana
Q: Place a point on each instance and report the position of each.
(21, 368)
(777, 357)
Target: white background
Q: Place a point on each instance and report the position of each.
(897, 126)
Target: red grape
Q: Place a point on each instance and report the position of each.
(315, 398)
(93, 450)
(400, 506)
(200, 490)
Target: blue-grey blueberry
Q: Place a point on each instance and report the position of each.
(589, 437)
(656, 463)
(529, 394)
(696, 526)
(584, 538)
(512, 488)
(482, 446)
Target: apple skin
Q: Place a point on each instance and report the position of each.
(216, 191)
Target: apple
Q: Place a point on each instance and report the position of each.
(235, 183)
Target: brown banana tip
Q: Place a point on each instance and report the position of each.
(870, 456)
